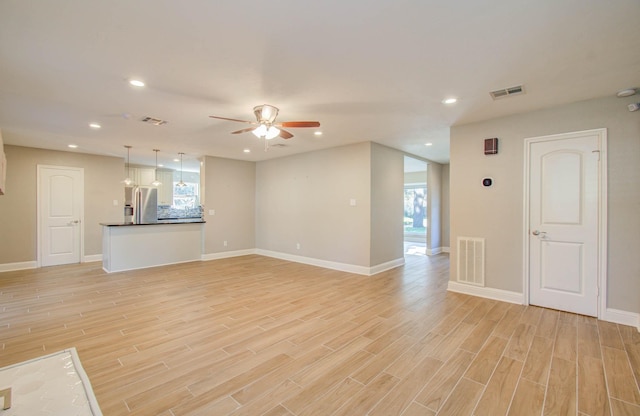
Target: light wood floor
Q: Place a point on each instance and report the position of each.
(259, 336)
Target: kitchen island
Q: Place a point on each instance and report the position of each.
(128, 246)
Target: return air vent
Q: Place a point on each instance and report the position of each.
(471, 260)
(278, 145)
(507, 92)
(154, 121)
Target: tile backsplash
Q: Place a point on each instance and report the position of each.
(167, 211)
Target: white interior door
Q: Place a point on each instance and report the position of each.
(60, 212)
(564, 200)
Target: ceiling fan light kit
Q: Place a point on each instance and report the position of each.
(267, 128)
(264, 132)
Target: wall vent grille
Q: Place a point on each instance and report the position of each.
(471, 260)
(154, 121)
(507, 92)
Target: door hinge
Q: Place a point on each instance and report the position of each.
(598, 152)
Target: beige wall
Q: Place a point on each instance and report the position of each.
(306, 199)
(102, 176)
(387, 192)
(229, 188)
(496, 213)
(445, 207)
(434, 205)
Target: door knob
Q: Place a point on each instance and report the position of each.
(537, 232)
(73, 222)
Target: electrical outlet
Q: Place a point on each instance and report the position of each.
(224, 243)
(212, 212)
(115, 202)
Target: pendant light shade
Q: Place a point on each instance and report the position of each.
(156, 182)
(127, 180)
(181, 184)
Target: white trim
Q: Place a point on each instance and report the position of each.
(379, 268)
(227, 254)
(485, 292)
(433, 251)
(24, 265)
(343, 267)
(622, 317)
(91, 258)
(602, 214)
(446, 249)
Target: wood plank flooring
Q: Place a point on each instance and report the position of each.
(259, 336)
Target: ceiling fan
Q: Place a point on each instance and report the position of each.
(267, 128)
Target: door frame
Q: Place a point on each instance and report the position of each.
(39, 211)
(602, 212)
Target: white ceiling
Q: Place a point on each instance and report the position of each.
(367, 70)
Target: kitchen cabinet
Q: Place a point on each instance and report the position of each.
(142, 176)
(145, 176)
(165, 189)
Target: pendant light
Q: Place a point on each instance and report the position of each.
(181, 184)
(128, 180)
(156, 182)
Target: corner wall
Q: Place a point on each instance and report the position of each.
(306, 199)
(387, 192)
(18, 207)
(496, 213)
(229, 190)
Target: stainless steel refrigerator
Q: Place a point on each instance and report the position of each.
(144, 201)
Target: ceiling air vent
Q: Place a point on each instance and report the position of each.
(278, 145)
(154, 121)
(507, 92)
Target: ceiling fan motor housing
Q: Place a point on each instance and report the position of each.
(265, 113)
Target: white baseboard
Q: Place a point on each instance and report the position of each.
(379, 268)
(91, 258)
(432, 251)
(622, 317)
(227, 254)
(9, 267)
(446, 249)
(486, 292)
(343, 267)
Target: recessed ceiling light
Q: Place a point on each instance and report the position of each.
(95, 126)
(73, 146)
(247, 150)
(160, 165)
(136, 83)
(176, 160)
(450, 100)
(318, 133)
(428, 144)
(626, 93)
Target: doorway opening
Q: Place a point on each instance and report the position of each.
(415, 221)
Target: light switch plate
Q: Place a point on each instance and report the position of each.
(212, 212)
(352, 202)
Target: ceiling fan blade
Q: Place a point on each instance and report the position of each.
(233, 119)
(299, 124)
(285, 134)
(243, 130)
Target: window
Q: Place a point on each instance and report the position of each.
(415, 209)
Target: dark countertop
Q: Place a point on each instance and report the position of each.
(160, 222)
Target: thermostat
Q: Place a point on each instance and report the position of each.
(487, 182)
